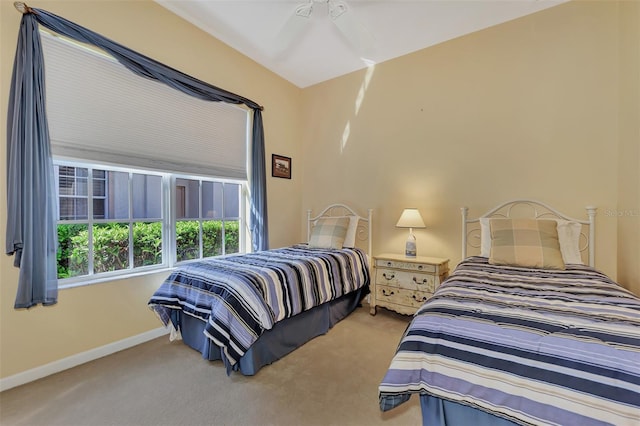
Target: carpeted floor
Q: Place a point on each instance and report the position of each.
(332, 380)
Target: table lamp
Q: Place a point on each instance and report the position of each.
(410, 218)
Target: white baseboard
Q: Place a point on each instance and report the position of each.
(81, 358)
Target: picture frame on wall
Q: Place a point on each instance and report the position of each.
(280, 166)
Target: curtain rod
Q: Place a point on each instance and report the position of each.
(22, 7)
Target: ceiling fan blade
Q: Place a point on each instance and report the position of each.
(355, 33)
(292, 28)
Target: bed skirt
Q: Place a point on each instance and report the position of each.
(440, 412)
(283, 338)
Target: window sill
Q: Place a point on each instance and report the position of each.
(89, 280)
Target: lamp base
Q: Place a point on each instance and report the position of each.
(410, 248)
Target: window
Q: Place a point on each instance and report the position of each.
(207, 218)
(115, 221)
(72, 183)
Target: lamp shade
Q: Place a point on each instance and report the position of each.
(410, 218)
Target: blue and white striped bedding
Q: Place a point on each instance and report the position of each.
(532, 346)
(240, 296)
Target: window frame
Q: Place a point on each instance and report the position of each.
(168, 220)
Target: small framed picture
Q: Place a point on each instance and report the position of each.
(280, 166)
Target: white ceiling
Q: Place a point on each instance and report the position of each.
(320, 51)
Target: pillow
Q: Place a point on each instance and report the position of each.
(527, 243)
(568, 234)
(329, 232)
(350, 237)
(485, 237)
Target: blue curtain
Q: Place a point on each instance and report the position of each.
(31, 229)
(31, 204)
(258, 188)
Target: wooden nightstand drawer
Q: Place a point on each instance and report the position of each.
(404, 284)
(400, 297)
(409, 266)
(405, 279)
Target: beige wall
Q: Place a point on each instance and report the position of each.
(541, 107)
(90, 317)
(628, 211)
(526, 109)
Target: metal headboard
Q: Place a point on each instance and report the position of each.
(363, 231)
(539, 210)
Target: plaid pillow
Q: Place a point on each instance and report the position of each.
(329, 232)
(527, 243)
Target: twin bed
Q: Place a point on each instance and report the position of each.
(524, 332)
(250, 310)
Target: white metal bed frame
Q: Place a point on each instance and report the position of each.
(363, 231)
(539, 211)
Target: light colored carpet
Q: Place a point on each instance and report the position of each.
(332, 380)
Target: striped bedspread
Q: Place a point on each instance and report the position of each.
(532, 346)
(240, 296)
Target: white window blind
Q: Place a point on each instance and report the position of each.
(100, 111)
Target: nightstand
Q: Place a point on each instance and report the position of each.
(403, 284)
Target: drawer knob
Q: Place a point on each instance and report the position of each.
(420, 267)
(389, 263)
(424, 298)
(384, 293)
(390, 277)
(424, 281)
